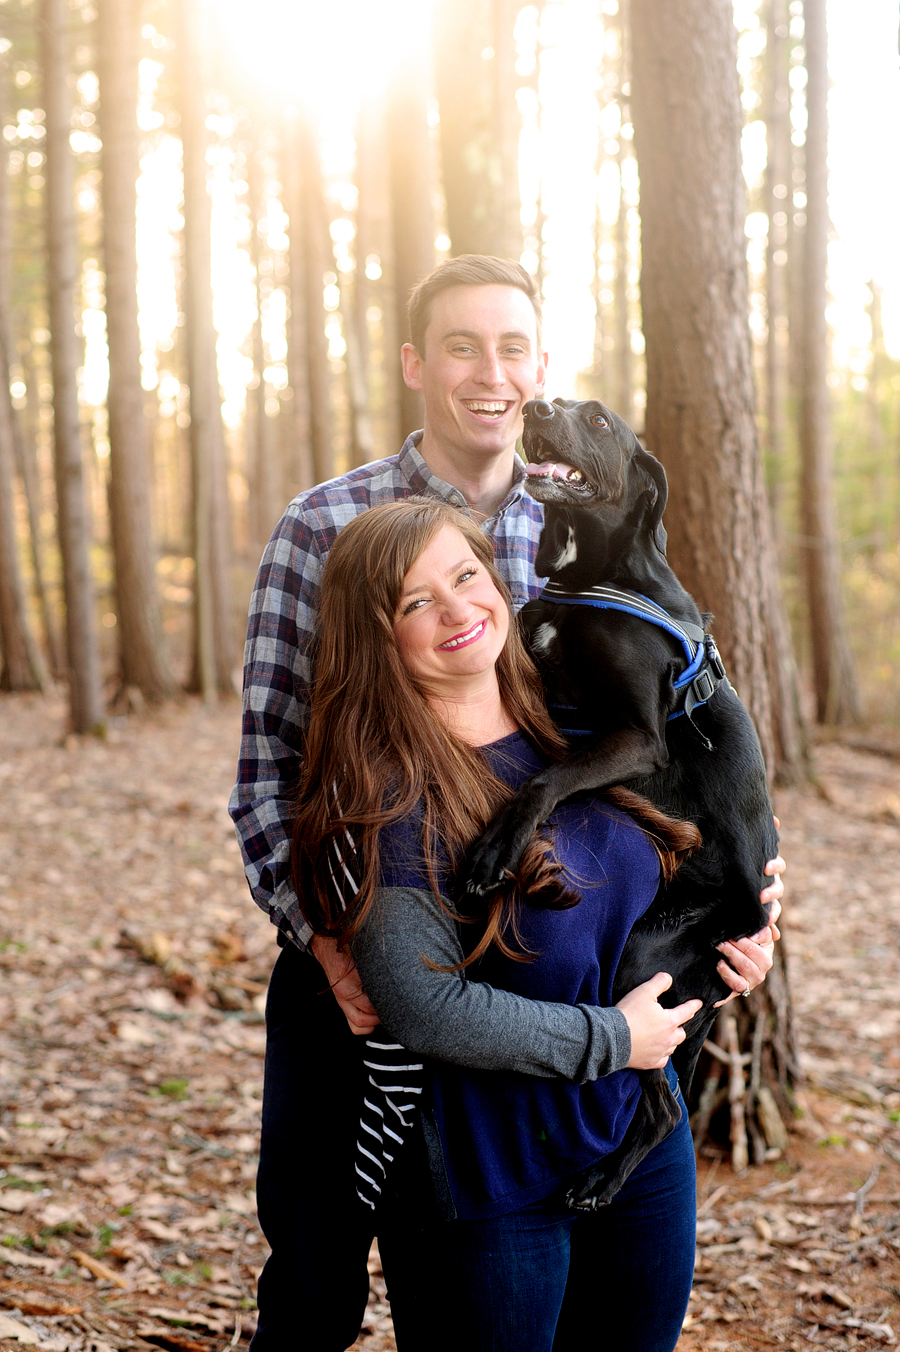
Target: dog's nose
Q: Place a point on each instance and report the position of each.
(539, 408)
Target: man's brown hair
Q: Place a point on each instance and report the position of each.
(467, 270)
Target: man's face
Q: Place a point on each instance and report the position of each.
(481, 365)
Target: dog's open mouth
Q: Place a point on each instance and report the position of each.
(556, 469)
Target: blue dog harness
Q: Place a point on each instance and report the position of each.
(704, 672)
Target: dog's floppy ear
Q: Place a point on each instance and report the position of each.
(654, 470)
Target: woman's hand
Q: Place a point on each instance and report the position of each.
(749, 960)
(655, 1032)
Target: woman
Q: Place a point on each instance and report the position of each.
(427, 713)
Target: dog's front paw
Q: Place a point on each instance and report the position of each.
(490, 863)
(585, 1198)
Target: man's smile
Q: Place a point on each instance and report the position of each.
(487, 408)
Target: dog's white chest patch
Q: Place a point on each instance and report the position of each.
(568, 553)
(543, 638)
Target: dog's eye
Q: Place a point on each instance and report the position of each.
(599, 421)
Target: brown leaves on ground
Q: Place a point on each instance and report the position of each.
(133, 968)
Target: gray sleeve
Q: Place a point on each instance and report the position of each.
(449, 1017)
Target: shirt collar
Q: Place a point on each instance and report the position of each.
(422, 480)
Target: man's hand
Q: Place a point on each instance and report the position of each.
(345, 985)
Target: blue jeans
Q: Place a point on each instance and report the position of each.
(539, 1279)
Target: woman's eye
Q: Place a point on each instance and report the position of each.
(414, 605)
(466, 574)
(599, 421)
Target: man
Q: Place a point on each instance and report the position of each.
(476, 356)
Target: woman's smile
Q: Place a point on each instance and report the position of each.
(470, 636)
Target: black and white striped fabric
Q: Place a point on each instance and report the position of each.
(395, 1079)
(392, 1098)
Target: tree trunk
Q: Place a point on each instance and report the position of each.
(300, 466)
(380, 359)
(410, 163)
(700, 406)
(778, 205)
(700, 422)
(311, 248)
(85, 686)
(23, 458)
(479, 128)
(141, 654)
(213, 653)
(262, 456)
(22, 667)
(834, 682)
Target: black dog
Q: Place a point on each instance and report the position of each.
(623, 652)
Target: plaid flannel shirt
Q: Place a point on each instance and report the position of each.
(277, 668)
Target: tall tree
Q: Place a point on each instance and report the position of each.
(299, 464)
(311, 256)
(213, 652)
(479, 130)
(374, 268)
(21, 667)
(23, 454)
(700, 412)
(141, 655)
(834, 682)
(85, 687)
(262, 456)
(411, 172)
(778, 189)
(700, 403)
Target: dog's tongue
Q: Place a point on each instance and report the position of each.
(549, 469)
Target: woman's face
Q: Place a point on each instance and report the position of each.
(451, 622)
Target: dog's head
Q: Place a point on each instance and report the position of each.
(581, 454)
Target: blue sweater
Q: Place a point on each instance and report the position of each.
(509, 1139)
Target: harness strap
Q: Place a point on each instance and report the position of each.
(704, 671)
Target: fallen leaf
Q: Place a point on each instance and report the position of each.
(15, 1200)
(16, 1258)
(11, 1328)
(189, 1319)
(100, 1270)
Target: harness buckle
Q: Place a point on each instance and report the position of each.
(702, 686)
(713, 657)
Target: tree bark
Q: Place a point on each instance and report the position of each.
(837, 701)
(85, 685)
(700, 404)
(411, 173)
(213, 652)
(141, 654)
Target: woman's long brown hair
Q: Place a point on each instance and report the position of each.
(376, 751)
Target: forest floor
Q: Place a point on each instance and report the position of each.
(134, 969)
